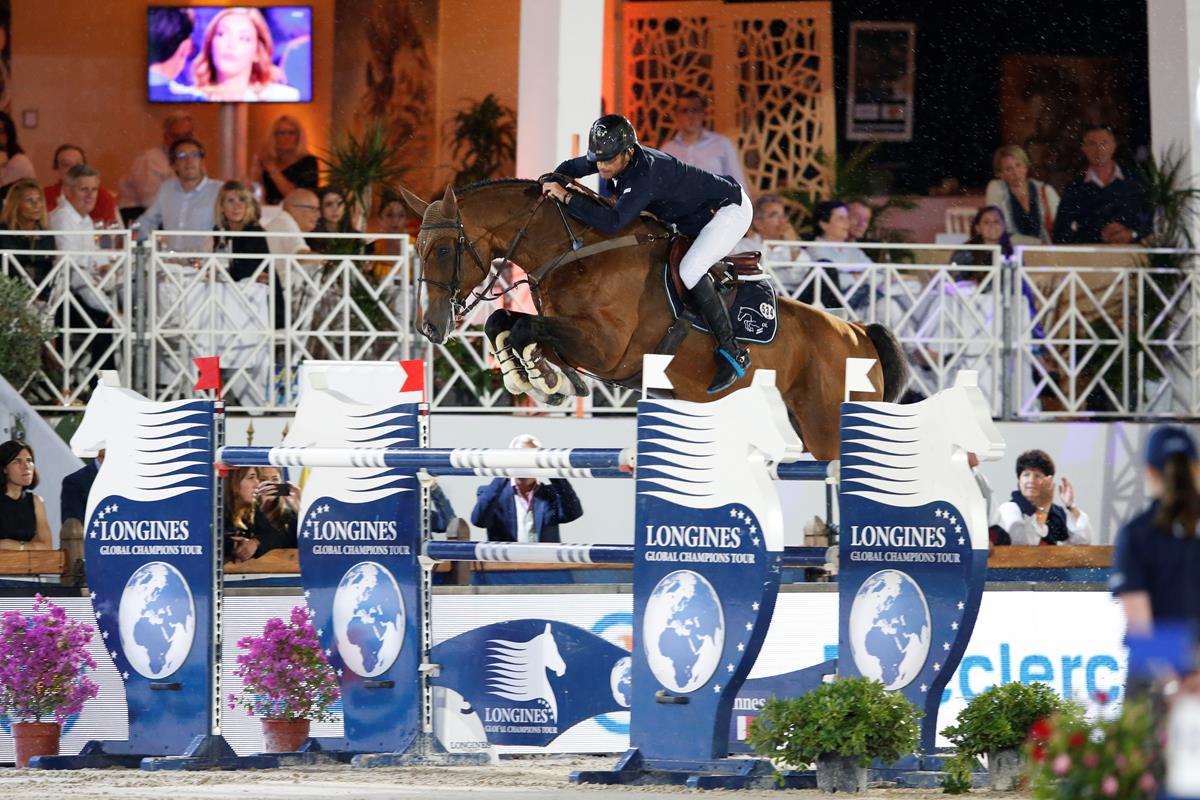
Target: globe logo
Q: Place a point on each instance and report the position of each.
(157, 619)
(889, 628)
(368, 619)
(684, 628)
(620, 680)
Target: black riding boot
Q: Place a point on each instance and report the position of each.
(732, 359)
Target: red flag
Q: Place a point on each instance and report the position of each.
(210, 373)
(414, 376)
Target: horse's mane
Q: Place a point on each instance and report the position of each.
(525, 183)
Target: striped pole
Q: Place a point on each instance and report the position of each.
(526, 462)
(531, 553)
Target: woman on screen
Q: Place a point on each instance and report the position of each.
(235, 63)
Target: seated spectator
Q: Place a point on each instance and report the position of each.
(1031, 517)
(236, 210)
(72, 504)
(81, 187)
(257, 520)
(860, 220)
(771, 223)
(831, 223)
(65, 157)
(335, 218)
(987, 227)
(300, 213)
(24, 218)
(23, 521)
(1104, 206)
(284, 163)
(186, 202)
(696, 145)
(1156, 562)
(1029, 206)
(525, 509)
(14, 164)
(138, 190)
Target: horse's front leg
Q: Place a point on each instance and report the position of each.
(532, 337)
(498, 330)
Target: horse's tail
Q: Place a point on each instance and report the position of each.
(891, 359)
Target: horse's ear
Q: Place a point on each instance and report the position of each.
(449, 203)
(415, 204)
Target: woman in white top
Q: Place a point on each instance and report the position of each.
(831, 224)
(1029, 205)
(14, 164)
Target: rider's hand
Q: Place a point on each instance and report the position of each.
(555, 190)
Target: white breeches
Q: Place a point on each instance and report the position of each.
(716, 240)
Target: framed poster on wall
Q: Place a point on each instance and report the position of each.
(879, 106)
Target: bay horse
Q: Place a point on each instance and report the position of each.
(600, 314)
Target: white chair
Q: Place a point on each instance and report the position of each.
(958, 219)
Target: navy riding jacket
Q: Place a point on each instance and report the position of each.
(675, 192)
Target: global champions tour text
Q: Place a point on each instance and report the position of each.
(356, 531)
(174, 530)
(899, 536)
(723, 537)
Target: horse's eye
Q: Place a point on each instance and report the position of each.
(443, 252)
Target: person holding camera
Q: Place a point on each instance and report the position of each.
(261, 510)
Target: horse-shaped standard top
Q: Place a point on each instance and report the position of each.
(153, 451)
(517, 670)
(912, 455)
(600, 314)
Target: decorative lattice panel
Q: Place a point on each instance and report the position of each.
(767, 69)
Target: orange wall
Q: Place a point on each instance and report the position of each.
(82, 67)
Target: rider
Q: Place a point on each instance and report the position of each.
(712, 209)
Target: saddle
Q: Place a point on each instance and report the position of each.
(727, 272)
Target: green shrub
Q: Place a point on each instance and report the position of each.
(23, 332)
(852, 717)
(1000, 717)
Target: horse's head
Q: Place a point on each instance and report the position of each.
(449, 262)
(761, 417)
(104, 416)
(553, 659)
(973, 428)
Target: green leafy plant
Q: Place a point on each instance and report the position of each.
(484, 137)
(1072, 757)
(852, 717)
(360, 165)
(25, 331)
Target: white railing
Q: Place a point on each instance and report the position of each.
(1053, 332)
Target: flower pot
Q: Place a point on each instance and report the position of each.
(35, 739)
(1005, 767)
(284, 735)
(840, 774)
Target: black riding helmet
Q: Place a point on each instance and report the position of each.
(610, 135)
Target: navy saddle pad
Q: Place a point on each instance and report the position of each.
(754, 311)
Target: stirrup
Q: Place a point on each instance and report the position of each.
(730, 369)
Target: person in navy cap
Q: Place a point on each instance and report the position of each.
(1156, 565)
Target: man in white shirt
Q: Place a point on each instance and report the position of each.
(138, 190)
(187, 202)
(1031, 517)
(696, 145)
(300, 212)
(770, 224)
(81, 188)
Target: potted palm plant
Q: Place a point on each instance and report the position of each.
(484, 137)
(996, 724)
(43, 675)
(361, 165)
(287, 682)
(841, 727)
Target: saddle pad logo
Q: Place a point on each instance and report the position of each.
(753, 324)
(767, 310)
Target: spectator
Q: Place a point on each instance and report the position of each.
(1031, 517)
(1156, 564)
(186, 202)
(138, 190)
(23, 218)
(524, 509)
(987, 227)
(860, 220)
(236, 61)
(696, 145)
(170, 47)
(250, 531)
(75, 490)
(335, 218)
(831, 223)
(81, 187)
(14, 164)
(771, 223)
(300, 214)
(441, 513)
(1029, 206)
(1104, 206)
(393, 219)
(236, 210)
(65, 157)
(279, 504)
(23, 522)
(284, 164)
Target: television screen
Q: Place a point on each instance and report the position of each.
(221, 54)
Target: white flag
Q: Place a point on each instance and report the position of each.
(654, 372)
(858, 378)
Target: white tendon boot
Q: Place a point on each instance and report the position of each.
(542, 374)
(515, 379)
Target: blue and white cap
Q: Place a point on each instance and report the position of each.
(1167, 440)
